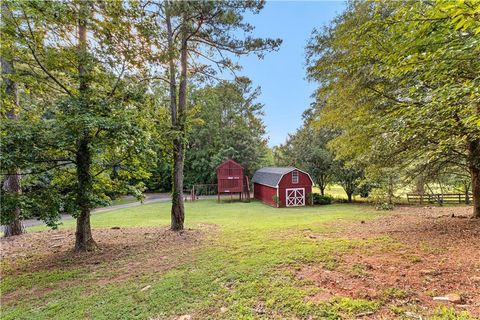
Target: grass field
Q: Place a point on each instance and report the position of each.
(240, 261)
(123, 200)
(337, 192)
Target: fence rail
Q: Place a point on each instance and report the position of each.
(439, 198)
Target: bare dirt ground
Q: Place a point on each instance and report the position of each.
(124, 253)
(426, 253)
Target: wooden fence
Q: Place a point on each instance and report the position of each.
(202, 190)
(440, 198)
(198, 190)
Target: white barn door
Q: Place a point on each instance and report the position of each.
(295, 197)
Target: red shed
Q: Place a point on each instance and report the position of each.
(231, 178)
(287, 184)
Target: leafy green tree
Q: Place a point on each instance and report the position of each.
(349, 177)
(307, 149)
(200, 35)
(405, 73)
(89, 129)
(231, 128)
(10, 102)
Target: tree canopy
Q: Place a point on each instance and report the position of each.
(406, 74)
(81, 130)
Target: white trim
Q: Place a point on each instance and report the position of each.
(276, 186)
(278, 199)
(295, 204)
(311, 180)
(295, 181)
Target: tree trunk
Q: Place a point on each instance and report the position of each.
(322, 190)
(178, 124)
(476, 192)
(83, 236)
(420, 185)
(12, 182)
(15, 227)
(349, 195)
(178, 210)
(466, 185)
(322, 184)
(474, 165)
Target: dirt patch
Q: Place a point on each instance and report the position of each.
(428, 252)
(123, 253)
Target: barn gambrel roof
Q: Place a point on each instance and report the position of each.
(229, 161)
(271, 176)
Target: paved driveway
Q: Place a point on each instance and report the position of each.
(149, 198)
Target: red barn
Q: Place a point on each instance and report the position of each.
(231, 179)
(287, 184)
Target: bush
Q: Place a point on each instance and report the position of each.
(381, 199)
(364, 189)
(383, 206)
(277, 201)
(317, 198)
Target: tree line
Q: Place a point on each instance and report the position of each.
(398, 97)
(97, 94)
(308, 148)
(226, 124)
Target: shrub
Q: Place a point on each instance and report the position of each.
(277, 201)
(364, 189)
(382, 200)
(383, 206)
(317, 198)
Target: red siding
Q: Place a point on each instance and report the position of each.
(282, 194)
(264, 193)
(303, 181)
(230, 177)
(286, 183)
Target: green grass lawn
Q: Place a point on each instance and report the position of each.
(245, 269)
(335, 191)
(123, 200)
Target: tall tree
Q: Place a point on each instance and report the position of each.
(83, 157)
(406, 74)
(91, 132)
(201, 35)
(307, 149)
(348, 177)
(12, 182)
(231, 128)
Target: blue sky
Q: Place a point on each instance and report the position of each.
(281, 75)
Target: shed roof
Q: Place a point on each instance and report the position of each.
(229, 161)
(271, 176)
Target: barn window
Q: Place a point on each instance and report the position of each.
(295, 177)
